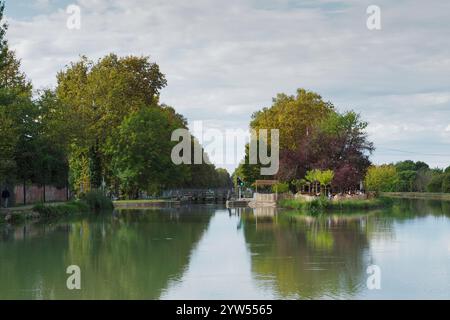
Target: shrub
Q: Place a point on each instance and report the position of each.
(97, 201)
(322, 204)
(57, 210)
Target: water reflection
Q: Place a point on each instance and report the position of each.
(131, 255)
(209, 252)
(309, 257)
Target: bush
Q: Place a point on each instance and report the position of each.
(97, 201)
(57, 210)
(322, 204)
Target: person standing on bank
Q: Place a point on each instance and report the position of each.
(5, 197)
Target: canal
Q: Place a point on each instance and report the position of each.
(210, 252)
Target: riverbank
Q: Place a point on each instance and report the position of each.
(418, 195)
(91, 202)
(326, 205)
(139, 204)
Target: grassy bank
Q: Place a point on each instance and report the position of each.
(46, 211)
(324, 205)
(93, 201)
(139, 204)
(418, 195)
(90, 202)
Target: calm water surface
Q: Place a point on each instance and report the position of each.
(209, 252)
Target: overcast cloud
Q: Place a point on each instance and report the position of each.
(226, 59)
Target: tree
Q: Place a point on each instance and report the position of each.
(294, 116)
(96, 97)
(17, 112)
(423, 178)
(3, 41)
(406, 180)
(346, 178)
(382, 178)
(141, 152)
(407, 165)
(248, 172)
(446, 183)
(339, 140)
(313, 177)
(436, 182)
(224, 179)
(325, 178)
(8, 140)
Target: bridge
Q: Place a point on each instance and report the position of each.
(200, 195)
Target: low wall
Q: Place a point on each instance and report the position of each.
(271, 197)
(36, 194)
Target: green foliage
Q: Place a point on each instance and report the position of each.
(314, 136)
(381, 178)
(325, 177)
(223, 179)
(97, 201)
(406, 180)
(293, 116)
(281, 187)
(446, 183)
(96, 98)
(436, 182)
(322, 204)
(319, 177)
(407, 165)
(141, 151)
(248, 172)
(49, 211)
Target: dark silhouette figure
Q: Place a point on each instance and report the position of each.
(5, 196)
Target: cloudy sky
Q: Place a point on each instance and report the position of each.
(225, 59)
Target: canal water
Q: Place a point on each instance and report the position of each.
(210, 252)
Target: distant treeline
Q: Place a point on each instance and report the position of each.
(407, 176)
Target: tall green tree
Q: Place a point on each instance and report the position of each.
(295, 116)
(97, 96)
(141, 152)
(382, 178)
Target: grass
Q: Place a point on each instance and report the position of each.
(418, 195)
(322, 204)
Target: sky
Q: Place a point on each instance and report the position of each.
(226, 59)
